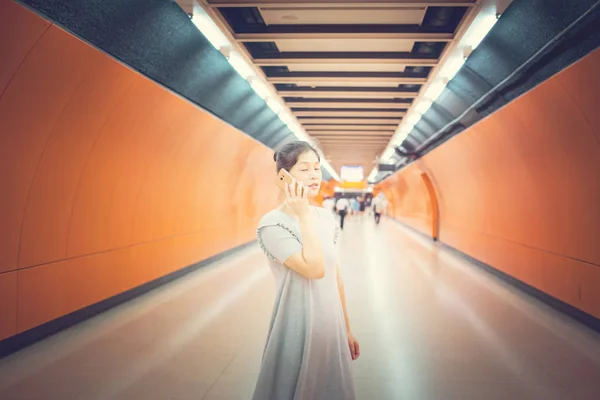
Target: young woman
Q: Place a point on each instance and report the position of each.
(310, 347)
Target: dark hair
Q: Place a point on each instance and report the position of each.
(287, 156)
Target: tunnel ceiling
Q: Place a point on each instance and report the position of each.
(349, 76)
(348, 70)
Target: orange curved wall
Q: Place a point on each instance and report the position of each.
(410, 200)
(520, 190)
(108, 180)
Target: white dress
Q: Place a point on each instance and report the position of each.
(306, 355)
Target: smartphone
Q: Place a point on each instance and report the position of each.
(283, 177)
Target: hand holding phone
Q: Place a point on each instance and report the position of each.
(295, 193)
(284, 178)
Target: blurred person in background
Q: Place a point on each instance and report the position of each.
(329, 204)
(342, 206)
(379, 207)
(354, 207)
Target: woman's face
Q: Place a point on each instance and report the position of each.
(308, 172)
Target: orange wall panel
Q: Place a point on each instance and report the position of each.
(577, 83)
(30, 108)
(42, 294)
(110, 181)
(410, 199)
(526, 173)
(73, 136)
(520, 189)
(118, 168)
(8, 304)
(20, 29)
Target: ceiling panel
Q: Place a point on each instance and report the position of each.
(347, 67)
(390, 114)
(356, 127)
(383, 45)
(324, 94)
(310, 121)
(365, 133)
(330, 81)
(349, 104)
(352, 136)
(342, 15)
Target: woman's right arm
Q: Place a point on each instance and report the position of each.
(309, 261)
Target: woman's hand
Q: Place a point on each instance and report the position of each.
(297, 199)
(354, 346)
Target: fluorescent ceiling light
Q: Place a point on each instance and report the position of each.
(451, 67)
(387, 153)
(414, 118)
(209, 29)
(275, 106)
(240, 65)
(285, 117)
(397, 141)
(402, 137)
(373, 174)
(479, 30)
(217, 38)
(423, 106)
(260, 88)
(473, 36)
(406, 128)
(294, 127)
(434, 90)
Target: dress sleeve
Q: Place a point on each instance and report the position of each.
(278, 242)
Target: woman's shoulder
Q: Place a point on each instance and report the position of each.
(276, 216)
(273, 217)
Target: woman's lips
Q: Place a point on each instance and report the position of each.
(314, 186)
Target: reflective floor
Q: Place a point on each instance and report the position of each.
(431, 326)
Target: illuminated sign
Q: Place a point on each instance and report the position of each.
(352, 173)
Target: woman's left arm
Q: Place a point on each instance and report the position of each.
(352, 342)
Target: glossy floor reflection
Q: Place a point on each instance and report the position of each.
(431, 326)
